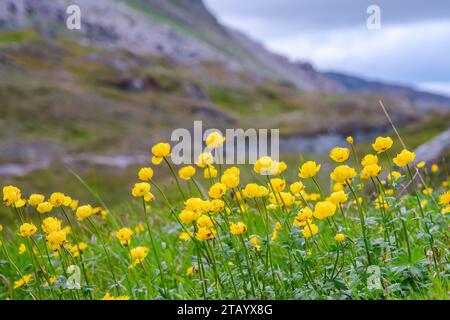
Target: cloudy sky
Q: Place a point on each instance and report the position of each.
(411, 47)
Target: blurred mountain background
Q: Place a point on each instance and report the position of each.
(137, 69)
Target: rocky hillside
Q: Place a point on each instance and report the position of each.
(185, 32)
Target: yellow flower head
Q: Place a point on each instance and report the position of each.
(255, 242)
(205, 221)
(444, 199)
(145, 174)
(395, 175)
(339, 154)
(138, 254)
(310, 230)
(36, 199)
(382, 144)
(349, 140)
(296, 187)
(196, 205)
(185, 236)
(434, 168)
(51, 224)
(421, 164)
(338, 187)
(149, 197)
(217, 205)
(217, 190)
(22, 248)
(77, 249)
(339, 237)
(11, 195)
(205, 159)
(230, 180)
(266, 166)
(210, 172)
(84, 212)
(191, 270)
(214, 140)
(343, 173)
(27, 230)
(282, 199)
(337, 197)
(159, 151)
(140, 189)
(370, 171)
(309, 169)
(277, 184)
(404, 158)
(187, 216)
(238, 228)
(203, 234)
(369, 159)
(67, 201)
(324, 209)
(124, 235)
(55, 239)
(57, 199)
(23, 281)
(187, 172)
(107, 296)
(44, 207)
(251, 190)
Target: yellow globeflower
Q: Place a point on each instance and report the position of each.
(404, 158)
(203, 234)
(51, 224)
(27, 230)
(339, 154)
(36, 199)
(55, 239)
(421, 164)
(255, 242)
(349, 139)
(296, 187)
(370, 171)
(369, 159)
(324, 209)
(67, 201)
(145, 174)
(84, 212)
(187, 172)
(138, 254)
(11, 195)
(339, 237)
(251, 190)
(434, 168)
(140, 189)
(217, 190)
(338, 187)
(266, 166)
(160, 151)
(187, 216)
(310, 230)
(22, 249)
(382, 144)
(444, 199)
(57, 199)
(230, 180)
(205, 221)
(124, 235)
(107, 296)
(210, 172)
(214, 140)
(309, 169)
(277, 184)
(282, 198)
(149, 197)
(343, 173)
(337, 197)
(205, 159)
(238, 228)
(44, 207)
(23, 281)
(217, 205)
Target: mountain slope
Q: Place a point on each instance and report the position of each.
(187, 33)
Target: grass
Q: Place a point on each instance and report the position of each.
(404, 240)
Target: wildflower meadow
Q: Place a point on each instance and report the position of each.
(376, 228)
